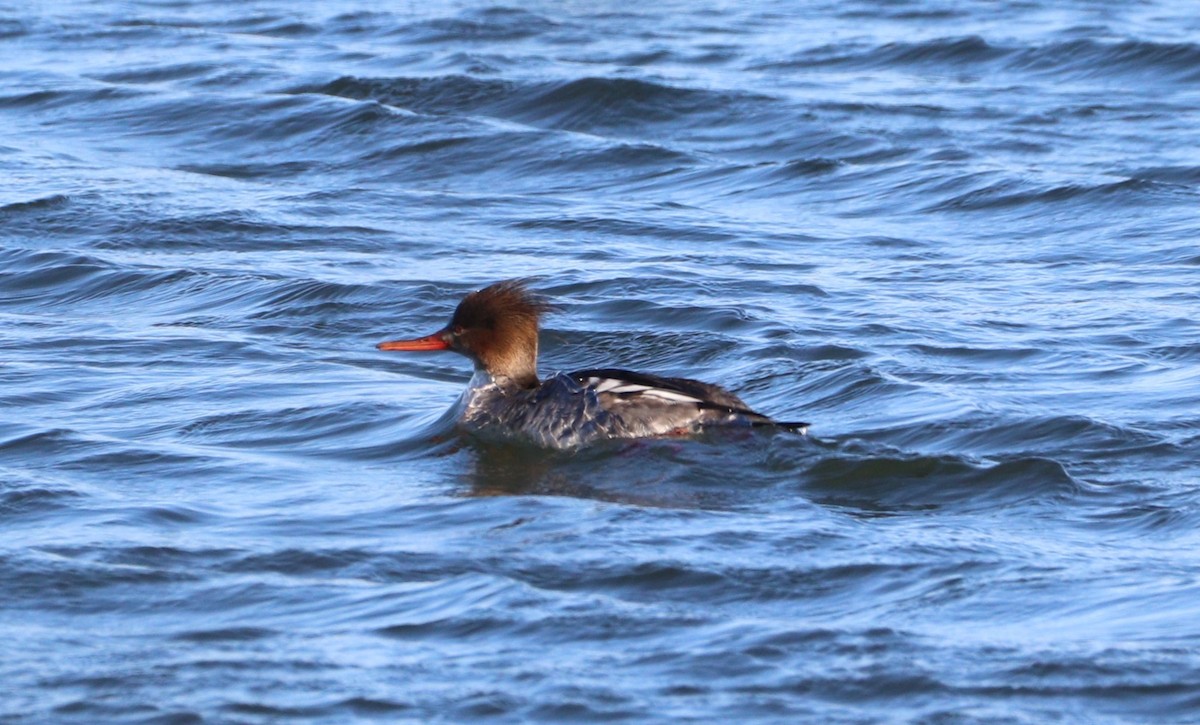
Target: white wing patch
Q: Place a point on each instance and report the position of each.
(670, 395)
(630, 388)
(622, 387)
(605, 385)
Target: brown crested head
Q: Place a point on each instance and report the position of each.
(498, 327)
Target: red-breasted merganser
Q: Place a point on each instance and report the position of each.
(497, 328)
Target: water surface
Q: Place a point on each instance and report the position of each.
(960, 238)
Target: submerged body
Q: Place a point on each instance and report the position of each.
(497, 328)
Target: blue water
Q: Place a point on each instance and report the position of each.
(962, 239)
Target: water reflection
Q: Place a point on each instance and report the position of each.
(712, 472)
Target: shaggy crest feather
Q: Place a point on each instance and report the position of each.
(504, 302)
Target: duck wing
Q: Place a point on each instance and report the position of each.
(627, 389)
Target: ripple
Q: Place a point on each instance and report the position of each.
(158, 73)
(490, 25)
(227, 634)
(1012, 194)
(1084, 58)
(78, 584)
(1090, 58)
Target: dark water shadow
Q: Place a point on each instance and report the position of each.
(716, 471)
(872, 480)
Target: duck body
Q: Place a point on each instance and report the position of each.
(569, 410)
(497, 328)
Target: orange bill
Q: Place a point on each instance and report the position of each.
(436, 341)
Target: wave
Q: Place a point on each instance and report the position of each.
(951, 50)
(277, 26)
(226, 634)
(46, 99)
(1182, 175)
(441, 94)
(621, 228)
(1073, 58)
(582, 104)
(24, 494)
(11, 28)
(340, 429)
(76, 581)
(969, 49)
(1010, 193)
(53, 201)
(158, 73)
(880, 484)
(489, 25)
(589, 103)
(52, 279)
(1092, 58)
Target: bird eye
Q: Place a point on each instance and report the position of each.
(458, 330)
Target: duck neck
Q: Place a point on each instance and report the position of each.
(509, 377)
(514, 365)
